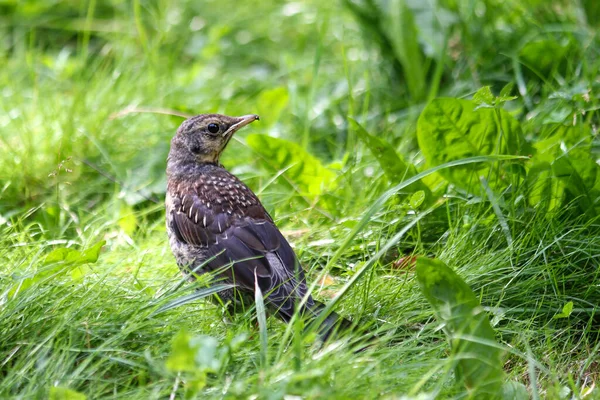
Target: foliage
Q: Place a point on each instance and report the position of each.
(473, 342)
(57, 263)
(466, 132)
(452, 129)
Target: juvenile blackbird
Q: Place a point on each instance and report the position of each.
(216, 223)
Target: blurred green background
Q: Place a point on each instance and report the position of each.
(75, 75)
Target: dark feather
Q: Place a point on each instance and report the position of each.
(218, 213)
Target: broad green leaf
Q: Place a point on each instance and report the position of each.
(304, 170)
(395, 168)
(579, 173)
(270, 104)
(91, 254)
(544, 191)
(63, 393)
(554, 136)
(451, 129)
(238, 341)
(60, 254)
(472, 339)
(197, 356)
(551, 172)
(77, 257)
(183, 353)
(566, 311)
(63, 260)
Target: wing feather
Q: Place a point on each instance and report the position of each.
(248, 244)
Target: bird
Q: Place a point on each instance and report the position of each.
(216, 224)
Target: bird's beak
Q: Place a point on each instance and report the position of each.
(241, 122)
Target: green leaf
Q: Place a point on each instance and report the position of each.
(76, 257)
(63, 393)
(208, 355)
(555, 136)
(566, 311)
(579, 173)
(544, 192)
(270, 104)
(568, 308)
(59, 254)
(512, 390)
(195, 354)
(417, 199)
(451, 129)
(544, 55)
(403, 35)
(552, 173)
(91, 254)
(183, 353)
(505, 93)
(306, 171)
(473, 343)
(78, 273)
(60, 260)
(395, 168)
(484, 96)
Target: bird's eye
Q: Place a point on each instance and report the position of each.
(213, 128)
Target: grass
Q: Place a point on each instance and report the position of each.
(89, 100)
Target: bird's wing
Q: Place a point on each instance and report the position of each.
(246, 245)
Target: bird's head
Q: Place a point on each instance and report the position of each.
(203, 138)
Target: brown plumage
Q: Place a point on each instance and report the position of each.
(216, 223)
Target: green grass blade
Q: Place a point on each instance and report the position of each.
(401, 186)
(198, 294)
